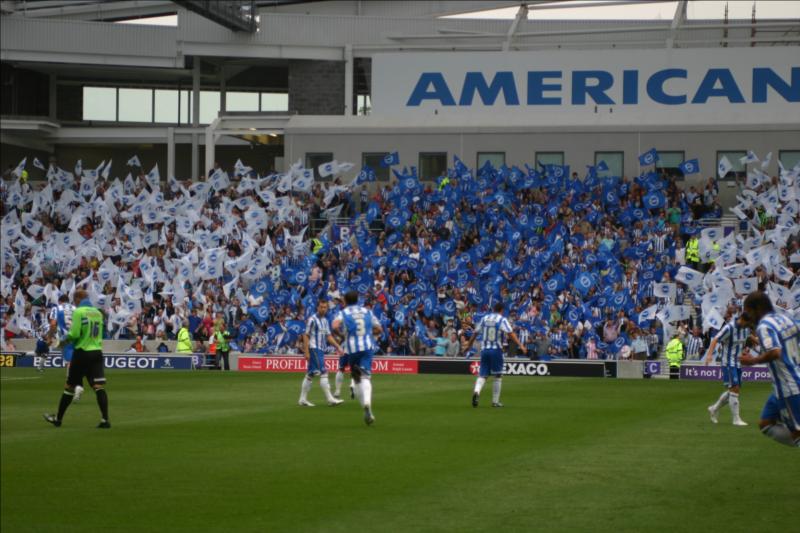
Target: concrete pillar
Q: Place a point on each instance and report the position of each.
(171, 151)
(195, 118)
(222, 89)
(52, 97)
(348, 79)
(210, 152)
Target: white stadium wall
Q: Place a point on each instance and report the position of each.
(696, 101)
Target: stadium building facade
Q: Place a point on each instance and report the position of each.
(278, 81)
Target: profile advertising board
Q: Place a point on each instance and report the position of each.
(413, 365)
(126, 361)
(289, 363)
(708, 86)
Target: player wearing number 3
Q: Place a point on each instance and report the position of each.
(492, 329)
(86, 334)
(358, 326)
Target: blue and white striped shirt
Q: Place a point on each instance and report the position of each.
(317, 330)
(731, 339)
(357, 328)
(493, 329)
(780, 331)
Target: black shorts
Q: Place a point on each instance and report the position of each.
(88, 364)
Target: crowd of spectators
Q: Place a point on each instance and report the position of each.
(574, 259)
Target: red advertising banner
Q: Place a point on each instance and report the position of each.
(298, 364)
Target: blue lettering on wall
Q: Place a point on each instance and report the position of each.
(630, 87)
(537, 87)
(728, 88)
(655, 86)
(475, 82)
(544, 88)
(580, 87)
(764, 77)
(439, 90)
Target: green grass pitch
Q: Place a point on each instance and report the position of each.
(207, 451)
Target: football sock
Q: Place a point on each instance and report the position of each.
(357, 390)
(366, 392)
(780, 433)
(723, 399)
(102, 402)
(304, 388)
(338, 381)
(66, 399)
(497, 384)
(40, 366)
(326, 387)
(734, 403)
(479, 385)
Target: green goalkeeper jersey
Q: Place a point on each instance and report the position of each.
(86, 332)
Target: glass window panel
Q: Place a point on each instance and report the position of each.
(668, 163)
(274, 101)
(364, 104)
(209, 106)
(99, 103)
(240, 101)
(432, 165)
(738, 169)
(136, 105)
(789, 158)
(498, 159)
(166, 106)
(373, 160)
(550, 158)
(615, 162)
(315, 159)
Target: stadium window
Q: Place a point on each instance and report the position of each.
(432, 165)
(497, 159)
(364, 102)
(209, 106)
(615, 162)
(789, 158)
(373, 160)
(549, 158)
(668, 163)
(100, 103)
(166, 110)
(738, 169)
(274, 101)
(135, 105)
(241, 101)
(315, 159)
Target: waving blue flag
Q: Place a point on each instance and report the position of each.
(649, 157)
(260, 288)
(601, 166)
(691, 166)
(654, 200)
(392, 158)
(584, 283)
(259, 314)
(246, 328)
(367, 175)
(297, 327)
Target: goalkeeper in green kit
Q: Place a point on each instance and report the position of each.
(86, 334)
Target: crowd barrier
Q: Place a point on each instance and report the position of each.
(398, 365)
